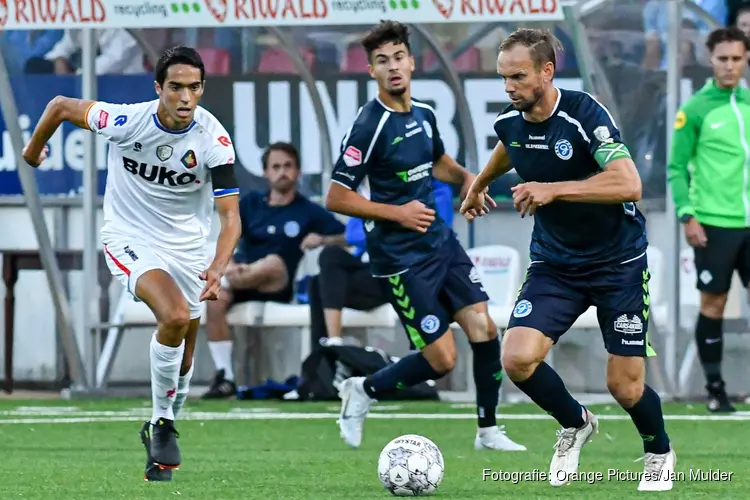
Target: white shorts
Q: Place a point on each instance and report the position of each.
(128, 259)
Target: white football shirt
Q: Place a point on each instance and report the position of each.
(158, 180)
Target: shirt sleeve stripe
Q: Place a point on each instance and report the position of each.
(218, 193)
(86, 116)
(509, 114)
(381, 124)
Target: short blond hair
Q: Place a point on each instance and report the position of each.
(542, 45)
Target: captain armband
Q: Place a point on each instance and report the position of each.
(224, 181)
(610, 151)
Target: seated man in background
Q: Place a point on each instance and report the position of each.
(345, 279)
(277, 227)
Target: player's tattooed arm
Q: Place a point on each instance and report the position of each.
(59, 109)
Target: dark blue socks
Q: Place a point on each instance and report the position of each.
(547, 390)
(649, 421)
(488, 375)
(407, 371)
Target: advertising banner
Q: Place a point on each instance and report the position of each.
(61, 173)
(258, 110)
(46, 14)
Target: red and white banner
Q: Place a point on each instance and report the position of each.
(45, 14)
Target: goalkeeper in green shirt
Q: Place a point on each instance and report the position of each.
(709, 173)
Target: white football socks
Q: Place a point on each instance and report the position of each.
(165, 373)
(221, 353)
(183, 388)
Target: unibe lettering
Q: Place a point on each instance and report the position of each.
(158, 174)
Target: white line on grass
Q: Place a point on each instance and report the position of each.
(51, 411)
(208, 416)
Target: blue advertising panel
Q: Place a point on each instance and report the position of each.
(61, 174)
(259, 109)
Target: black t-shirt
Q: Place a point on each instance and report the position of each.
(280, 230)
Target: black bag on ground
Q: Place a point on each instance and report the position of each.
(328, 363)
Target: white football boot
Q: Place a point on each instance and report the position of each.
(495, 438)
(658, 471)
(355, 404)
(568, 449)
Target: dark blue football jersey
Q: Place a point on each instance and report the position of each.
(569, 146)
(387, 156)
(280, 230)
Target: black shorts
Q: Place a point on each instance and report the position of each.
(428, 295)
(247, 295)
(728, 250)
(551, 300)
(239, 296)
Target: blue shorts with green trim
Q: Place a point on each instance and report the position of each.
(551, 299)
(428, 295)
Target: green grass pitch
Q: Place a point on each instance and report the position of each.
(81, 450)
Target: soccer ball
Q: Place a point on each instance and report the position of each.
(411, 465)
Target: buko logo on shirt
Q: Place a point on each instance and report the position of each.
(158, 174)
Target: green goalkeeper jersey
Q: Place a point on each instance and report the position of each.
(709, 161)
